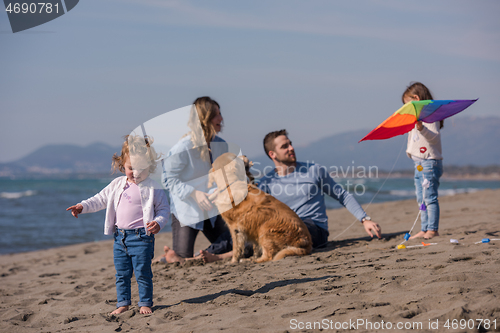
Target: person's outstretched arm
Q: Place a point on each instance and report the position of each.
(347, 200)
(75, 209)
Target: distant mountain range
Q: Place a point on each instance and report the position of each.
(466, 141)
(62, 159)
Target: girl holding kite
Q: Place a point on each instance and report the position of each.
(422, 118)
(424, 148)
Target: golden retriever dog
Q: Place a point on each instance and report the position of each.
(254, 216)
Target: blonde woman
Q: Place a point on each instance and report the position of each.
(185, 171)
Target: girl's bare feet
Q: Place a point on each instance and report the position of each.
(419, 235)
(145, 310)
(430, 234)
(120, 310)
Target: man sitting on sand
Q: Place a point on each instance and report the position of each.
(302, 186)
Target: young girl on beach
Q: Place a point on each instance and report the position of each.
(424, 148)
(136, 209)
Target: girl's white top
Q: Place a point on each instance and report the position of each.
(155, 206)
(425, 144)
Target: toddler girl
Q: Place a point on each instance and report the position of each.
(424, 148)
(136, 209)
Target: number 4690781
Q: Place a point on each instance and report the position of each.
(32, 8)
(470, 324)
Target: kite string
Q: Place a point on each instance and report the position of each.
(404, 241)
(419, 211)
(380, 188)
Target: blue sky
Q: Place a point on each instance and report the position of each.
(316, 68)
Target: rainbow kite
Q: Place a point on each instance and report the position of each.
(428, 111)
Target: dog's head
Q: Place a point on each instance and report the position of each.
(228, 172)
(227, 169)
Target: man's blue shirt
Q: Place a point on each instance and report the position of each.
(303, 191)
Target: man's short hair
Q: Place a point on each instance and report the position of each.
(269, 140)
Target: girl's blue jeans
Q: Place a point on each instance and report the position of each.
(428, 194)
(133, 251)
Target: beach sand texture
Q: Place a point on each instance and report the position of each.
(72, 289)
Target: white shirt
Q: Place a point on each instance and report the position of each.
(155, 206)
(425, 144)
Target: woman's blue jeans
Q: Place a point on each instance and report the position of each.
(133, 251)
(428, 193)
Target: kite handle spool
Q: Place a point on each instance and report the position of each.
(486, 240)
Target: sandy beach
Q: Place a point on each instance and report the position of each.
(355, 283)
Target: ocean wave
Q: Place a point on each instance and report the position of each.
(17, 195)
(402, 193)
(441, 192)
(457, 191)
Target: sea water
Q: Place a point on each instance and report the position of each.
(33, 213)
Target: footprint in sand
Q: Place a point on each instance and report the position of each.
(79, 289)
(169, 315)
(104, 287)
(48, 275)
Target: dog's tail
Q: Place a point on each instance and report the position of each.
(292, 251)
